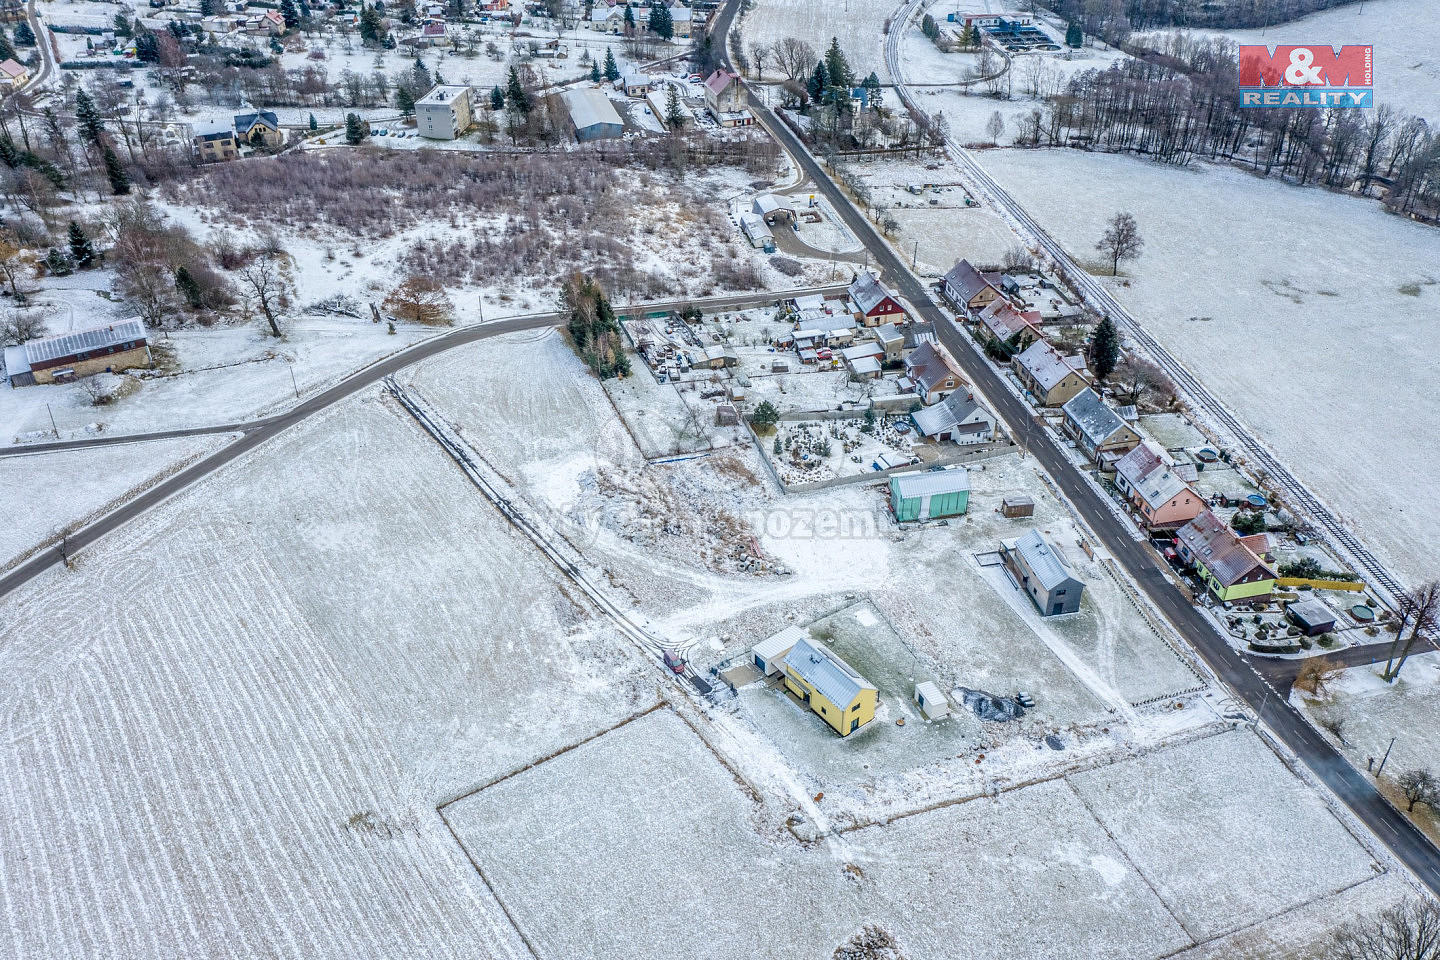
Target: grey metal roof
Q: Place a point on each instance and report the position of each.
(1160, 487)
(1044, 563)
(835, 679)
(965, 280)
(960, 407)
(96, 338)
(15, 362)
(930, 483)
(1095, 420)
(1311, 612)
(781, 642)
(589, 108)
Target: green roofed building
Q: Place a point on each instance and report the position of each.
(930, 494)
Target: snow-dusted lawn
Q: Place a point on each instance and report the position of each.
(858, 24)
(1223, 850)
(1407, 65)
(1373, 711)
(237, 739)
(1307, 312)
(49, 492)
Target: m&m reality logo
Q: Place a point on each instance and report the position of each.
(1309, 76)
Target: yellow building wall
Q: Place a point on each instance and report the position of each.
(839, 718)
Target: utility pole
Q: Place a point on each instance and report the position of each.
(54, 429)
(1381, 769)
(293, 382)
(915, 255)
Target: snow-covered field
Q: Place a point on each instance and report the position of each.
(48, 493)
(1307, 312)
(859, 25)
(644, 823)
(262, 691)
(1407, 63)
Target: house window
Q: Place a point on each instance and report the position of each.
(1059, 593)
(854, 708)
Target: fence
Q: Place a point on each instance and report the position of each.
(1350, 585)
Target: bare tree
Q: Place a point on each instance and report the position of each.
(1420, 609)
(1140, 379)
(149, 287)
(1419, 786)
(1121, 240)
(795, 57)
(421, 299)
(869, 943)
(759, 53)
(1409, 931)
(1316, 675)
(13, 259)
(269, 286)
(19, 326)
(994, 127)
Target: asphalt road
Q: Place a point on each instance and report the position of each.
(1139, 561)
(256, 432)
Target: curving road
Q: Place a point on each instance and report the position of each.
(1143, 566)
(256, 432)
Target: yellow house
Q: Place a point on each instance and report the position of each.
(829, 686)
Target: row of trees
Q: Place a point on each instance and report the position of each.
(593, 326)
(1116, 19)
(1182, 102)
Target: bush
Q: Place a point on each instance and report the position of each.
(1248, 522)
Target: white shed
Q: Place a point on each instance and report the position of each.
(770, 652)
(933, 704)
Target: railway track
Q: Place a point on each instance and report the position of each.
(1320, 518)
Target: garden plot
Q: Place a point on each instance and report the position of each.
(1237, 318)
(1223, 851)
(813, 451)
(49, 492)
(263, 690)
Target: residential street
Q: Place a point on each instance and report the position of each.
(1139, 561)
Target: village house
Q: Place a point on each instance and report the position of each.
(725, 99)
(608, 19)
(873, 303)
(864, 359)
(444, 113)
(933, 375)
(1008, 325)
(970, 292)
(1096, 429)
(1042, 574)
(433, 33)
(214, 141)
(69, 356)
(929, 494)
(1050, 378)
(260, 129)
(958, 418)
(1147, 479)
(829, 686)
(13, 74)
(635, 85)
(891, 341)
(1223, 561)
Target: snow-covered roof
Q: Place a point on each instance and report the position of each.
(444, 94)
(1092, 417)
(754, 226)
(1004, 321)
(1139, 463)
(212, 128)
(768, 203)
(83, 341)
(1045, 365)
(15, 362)
(864, 365)
(779, 644)
(927, 691)
(861, 350)
(929, 365)
(835, 679)
(12, 69)
(958, 408)
(930, 483)
(1044, 563)
(888, 333)
(589, 108)
(1160, 487)
(813, 302)
(868, 292)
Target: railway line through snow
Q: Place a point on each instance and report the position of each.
(569, 562)
(981, 184)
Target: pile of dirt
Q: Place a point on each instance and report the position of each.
(989, 707)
